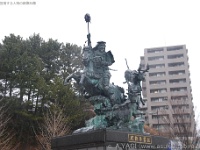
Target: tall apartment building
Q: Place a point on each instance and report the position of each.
(167, 88)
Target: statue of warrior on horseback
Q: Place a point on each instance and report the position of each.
(95, 77)
(112, 108)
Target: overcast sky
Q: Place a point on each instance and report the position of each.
(127, 26)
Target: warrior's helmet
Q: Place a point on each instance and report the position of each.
(100, 46)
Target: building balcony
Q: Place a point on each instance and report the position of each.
(178, 76)
(177, 68)
(181, 111)
(157, 86)
(181, 93)
(160, 121)
(158, 94)
(177, 59)
(179, 102)
(178, 85)
(181, 120)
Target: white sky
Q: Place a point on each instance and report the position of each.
(127, 26)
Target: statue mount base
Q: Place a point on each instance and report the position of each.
(105, 139)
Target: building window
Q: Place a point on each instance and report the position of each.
(177, 72)
(177, 64)
(180, 89)
(181, 116)
(175, 98)
(174, 48)
(181, 107)
(163, 107)
(155, 50)
(158, 99)
(177, 81)
(162, 117)
(156, 58)
(156, 66)
(158, 82)
(142, 66)
(175, 56)
(157, 74)
(182, 124)
(164, 90)
(161, 126)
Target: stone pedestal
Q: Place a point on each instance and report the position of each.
(105, 139)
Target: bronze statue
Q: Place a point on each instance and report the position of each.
(112, 107)
(133, 79)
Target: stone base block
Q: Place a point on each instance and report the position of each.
(105, 139)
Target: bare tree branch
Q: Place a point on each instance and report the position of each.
(54, 124)
(180, 126)
(6, 134)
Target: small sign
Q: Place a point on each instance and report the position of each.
(139, 139)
